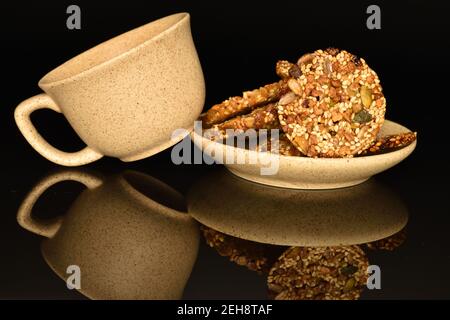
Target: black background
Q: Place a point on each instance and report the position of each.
(238, 43)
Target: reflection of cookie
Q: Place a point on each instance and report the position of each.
(389, 244)
(319, 273)
(339, 106)
(238, 105)
(253, 255)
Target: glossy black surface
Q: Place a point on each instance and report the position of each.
(416, 269)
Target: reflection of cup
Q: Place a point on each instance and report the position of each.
(124, 97)
(250, 211)
(127, 241)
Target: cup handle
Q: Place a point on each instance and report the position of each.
(26, 127)
(49, 228)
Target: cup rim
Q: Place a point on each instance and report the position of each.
(43, 82)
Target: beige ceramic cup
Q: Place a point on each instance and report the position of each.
(128, 234)
(124, 97)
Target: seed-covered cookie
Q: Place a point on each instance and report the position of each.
(319, 273)
(249, 100)
(336, 106)
(390, 143)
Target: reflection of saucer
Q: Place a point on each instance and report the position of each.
(304, 172)
(250, 211)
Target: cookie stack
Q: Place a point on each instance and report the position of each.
(329, 104)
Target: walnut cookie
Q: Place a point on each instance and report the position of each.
(336, 106)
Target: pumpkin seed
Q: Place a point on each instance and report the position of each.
(362, 116)
(350, 284)
(366, 96)
(349, 270)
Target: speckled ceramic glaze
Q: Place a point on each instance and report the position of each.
(125, 233)
(247, 210)
(304, 172)
(124, 97)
